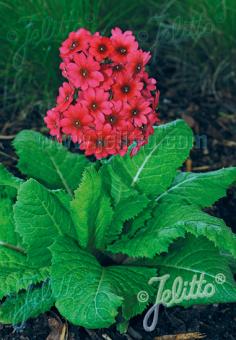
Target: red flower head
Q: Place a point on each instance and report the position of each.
(65, 98)
(101, 48)
(137, 110)
(84, 72)
(76, 120)
(109, 103)
(123, 43)
(76, 42)
(52, 120)
(126, 87)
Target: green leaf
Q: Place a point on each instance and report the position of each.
(114, 185)
(139, 221)
(195, 257)
(16, 272)
(8, 184)
(40, 218)
(6, 178)
(129, 282)
(201, 189)
(231, 261)
(212, 228)
(27, 304)
(154, 167)
(128, 203)
(88, 294)
(48, 161)
(171, 222)
(7, 227)
(63, 197)
(122, 327)
(91, 211)
(126, 210)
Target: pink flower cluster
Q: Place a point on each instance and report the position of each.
(109, 101)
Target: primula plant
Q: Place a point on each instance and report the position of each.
(87, 236)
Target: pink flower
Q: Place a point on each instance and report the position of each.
(123, 43)
(52, 120)
(148, 130)
(137, 61)
(152, 120)
(126, 87)
(135, 149)
(108, 77)
(137, 110)
(127, 138)
(119, 70)
(100, 143)
(76, 42)
(155, 101)
(96, 101)
(65, 98)
(63, 67)
(84, 72)
(115, 118)
(149, 84)
(76, 120)
(101, 48)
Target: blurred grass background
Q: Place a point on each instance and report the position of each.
(192, 43)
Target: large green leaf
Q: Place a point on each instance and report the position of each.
(138, 222)
(201, 189)
(114, 185)
(7, 227)
(91, 211)
(8, 184)
(48, 161)
(154, 167)
(126, 210)
(17, 272)
(63, 197)
(40, 218)
(27, 304)
(6, 178)
(88, 294)
(127, 202)
(172, 221)
(194, 259)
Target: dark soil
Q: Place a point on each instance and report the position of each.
(215, 147)
(217, 322)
